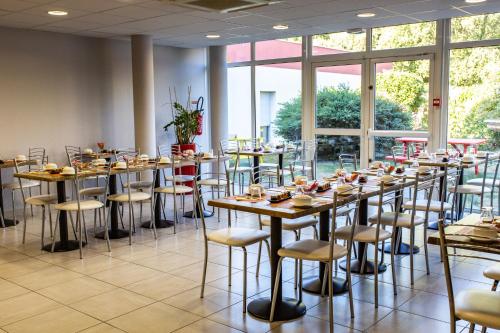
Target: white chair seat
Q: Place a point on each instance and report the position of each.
(469, 189)
(26, 184)
(268, 165)
(481, 307)
(404, 220)
(238, 236)
(487, 182)
(139, 185)
(42, 200)
(421, 205)
(272, 172)
(84, 205)
(293, 224)
(342, 211)
(93, 191)
(492, 272)
(243, 169)
(362, 233)
(134, 197)
(213, 182)
(180, 178)
(311, 249)
(179, 189)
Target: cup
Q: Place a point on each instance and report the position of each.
(486, 214)
(21, 158)
(189, 152)
(67, 170)
(302, 200)
(300, 180)
(256, 190)
(88, 151)
(50, 166)
(164, 160)
(120, 165)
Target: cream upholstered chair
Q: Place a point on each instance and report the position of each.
(231, 237)
(321, 251)
(490, 183)
(43, 200)
(477, 306)
(137, 184)
(79, 207)
(375, 234)
(234, 164)
(131, 197)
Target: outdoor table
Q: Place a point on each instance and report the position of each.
(9, 164)
(455, 143)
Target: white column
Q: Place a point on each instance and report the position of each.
(218, 95)
(144, 98)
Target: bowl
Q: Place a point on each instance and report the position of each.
(481, 154)
(120, 165)
(21, 158)
(99, 161)
(376, 164)
(300, 180)
(208, 155)
(468, 158)
(344, 188)
(50, 166)
(189, 152)
(164, 160)
(88, 151)
(387, 179)
(424, 169)
(144, 157)
(68, 170)
(301, 200)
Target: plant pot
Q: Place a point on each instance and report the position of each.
(186, 170)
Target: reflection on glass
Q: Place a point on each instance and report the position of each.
(479, 27)
(238, 53)
(278, 101)
(329, 149)
(278, 48)
(338, 42)
(384, 148)
(406, 35)
(338, 96)
(402, 95)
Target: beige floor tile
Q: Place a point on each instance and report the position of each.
(207, 326)
(24, 306)
(402, 322)
(308, 324)
(76, 290)
(161, 287)
(9, 290)
(157, 317)
(134, 252)
(59, 320)
(365, 314)
(254, 285)
(93, 264)
(214, 300)
(21, 267)
(195, 272)
(45, 278)
(111, 304)
(102, 328)
(364, 291)
(7, 255)
(168, 262)
(126, 274)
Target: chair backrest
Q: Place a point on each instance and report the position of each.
(348, 160)
(399, 151)
(389, 194)
(258, 175)
(73, 153)
(485, 173)
(36, 154)
(415, 148)
(424, 187)
(129, 157)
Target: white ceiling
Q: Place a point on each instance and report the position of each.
(178, 26)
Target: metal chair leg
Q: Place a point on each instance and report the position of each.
(244, 280)
(258, 260)
(106, 230)
(54, 232)
(204, 276)
(393, 267)
(25, 222)
(275, 291)
(229, 266)
(375, 268)
(330, 297)
(412, 243)
(43, 225)
(79, 226)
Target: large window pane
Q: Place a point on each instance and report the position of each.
(278, 48)
(278, 101)
(338, 42)
(406, 35)
(383, 147)
(329, 149)
(402, 95)
(474, 94)
(338, 96)
(478, 27)
(239, 102)
(238, 53)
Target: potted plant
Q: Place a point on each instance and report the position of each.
(185, 123)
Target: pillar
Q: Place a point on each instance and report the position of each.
(218, 95)
(144, 98)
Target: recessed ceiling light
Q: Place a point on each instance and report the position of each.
(474, 1)
(365, 15)
(280, 27)
(57, 12)
(212, 36)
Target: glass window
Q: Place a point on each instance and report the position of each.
(478, 27)
(474, 94)
(278, 103)
(238, 53)
(339, 42)
(407, 35)
(239, 102)
(338, 96)
(402, 95)
(328, 151)
(278, 48)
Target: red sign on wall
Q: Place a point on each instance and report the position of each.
(436, 102)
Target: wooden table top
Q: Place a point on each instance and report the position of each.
(260, 153)
(285, 209)
(472, 219)
(10, 163)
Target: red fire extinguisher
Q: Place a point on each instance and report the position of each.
(199, 109)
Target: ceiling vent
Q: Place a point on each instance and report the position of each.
(220, 6)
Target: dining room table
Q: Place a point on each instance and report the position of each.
(288, 308)
(5, 165)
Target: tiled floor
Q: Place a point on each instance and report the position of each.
(153, 286)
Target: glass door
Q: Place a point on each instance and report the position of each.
(338, 116)
(400, 101)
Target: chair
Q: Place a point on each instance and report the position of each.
(346, 160)
(399, 154)
(375, 234)
(478, 307)
(231, 237)
(43, 200)
(79, 206)
(304, 162)
(129, 197)
(173, 186)
(138, 184)
(491, 183)
(233, 146)
(321, 251)
(415, 148)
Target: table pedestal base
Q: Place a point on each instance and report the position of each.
(403, 249)
(287, 309)
(113, 234)
(369, 267)
(9, 223)
(313, 285)
(70, 245)
(206, 213)
(160, 224)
